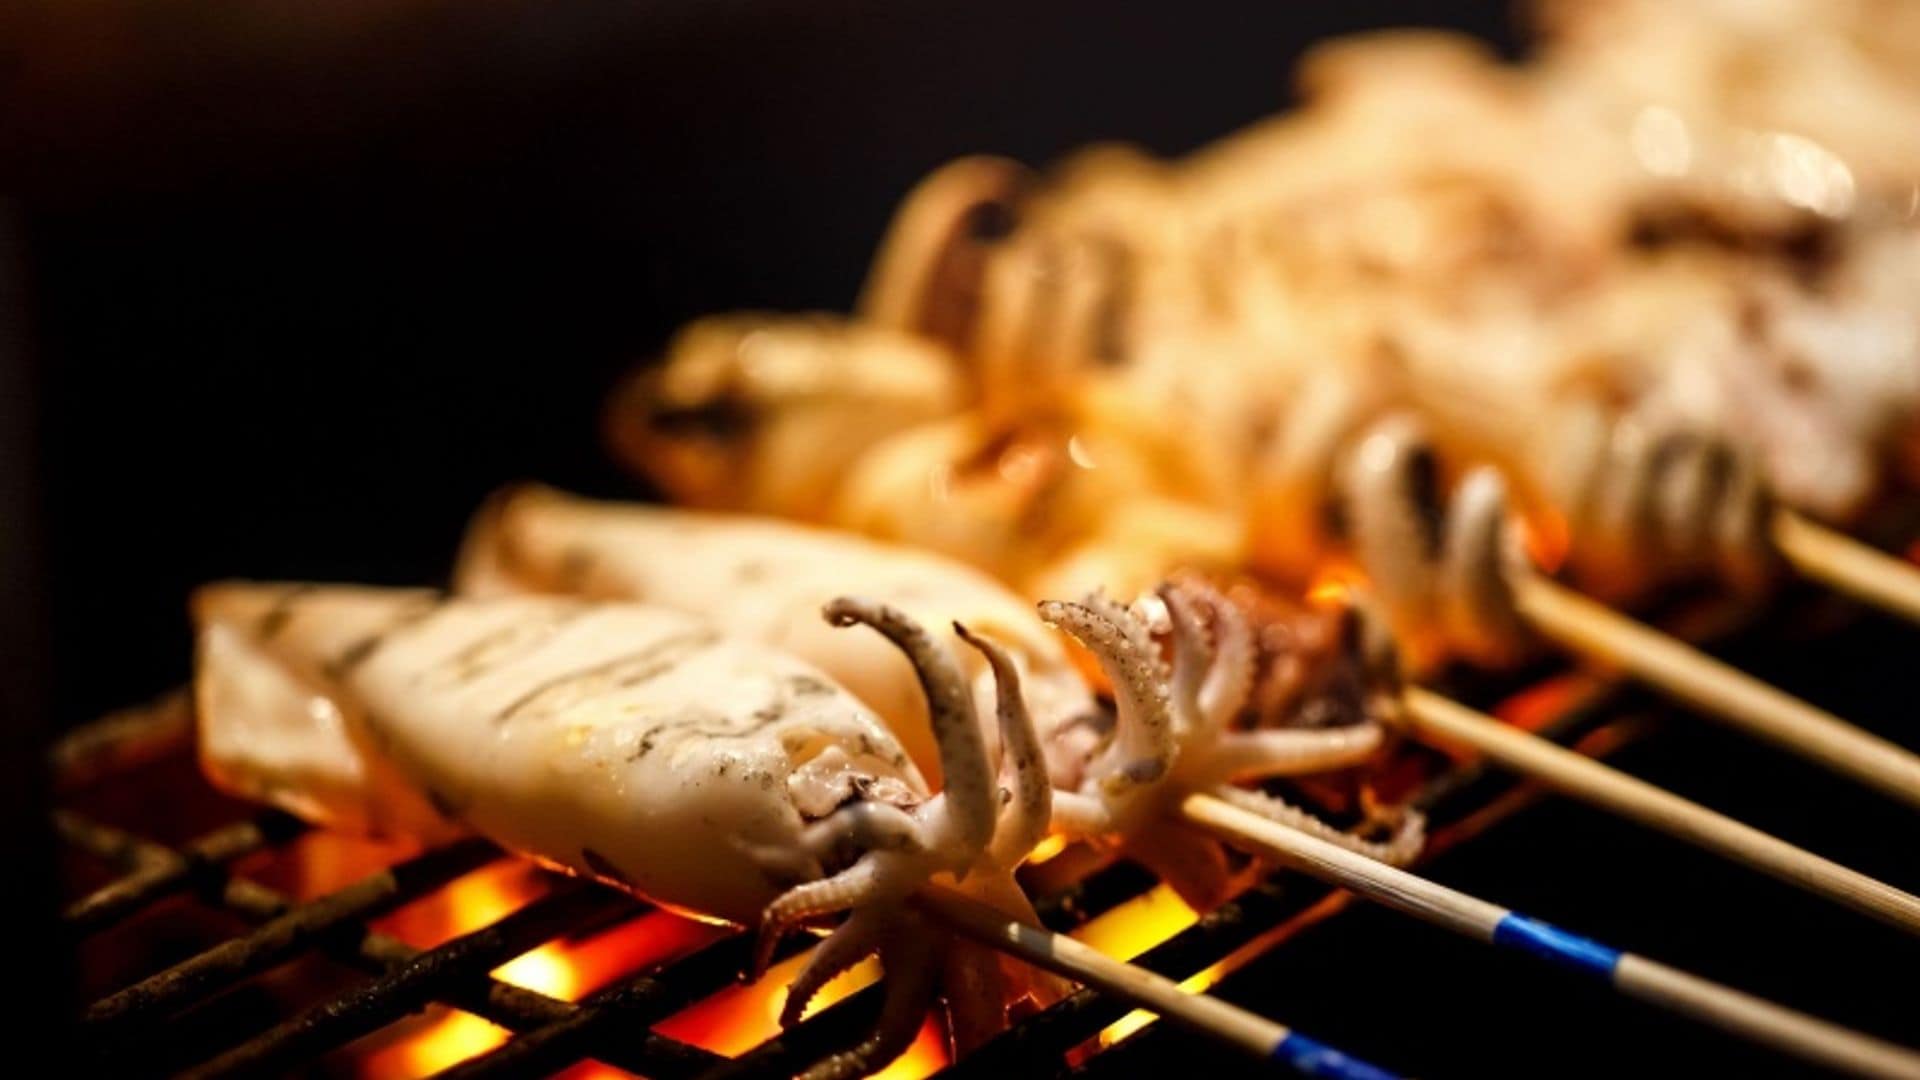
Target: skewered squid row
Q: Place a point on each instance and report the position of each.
(1180, 726)
(1057, 507)
(644, 748)
(1209, 363)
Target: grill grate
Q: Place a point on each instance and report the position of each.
(614, 1025)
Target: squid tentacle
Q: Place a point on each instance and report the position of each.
(1480, 558)
(864, 826)
(1258, 755)
(969, 809)
(1389, 497)
(1144, 747)
(854, 941)
(1229, 679)
(1398, 850)
(1442, 571)
(1192, 655)
(1024, 823)
(908, 957)
(900, 849)
(856, 885)
(1077, 814)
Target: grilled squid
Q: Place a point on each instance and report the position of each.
(1179, 726)
(763, 412)
(1441, 233)
(641, 747)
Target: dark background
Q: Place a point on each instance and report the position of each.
(286, 288)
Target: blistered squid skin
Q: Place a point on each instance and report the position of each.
(628, 743)
(767, 581)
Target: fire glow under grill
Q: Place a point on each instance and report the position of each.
(464, 962)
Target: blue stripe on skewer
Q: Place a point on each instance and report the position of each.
(1551, 943)
(1312, 1058)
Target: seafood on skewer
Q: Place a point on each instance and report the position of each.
(928, 470)
(1180, 726)
(765, 412)
(641, 747)
(1060, 506)
(1477, 243)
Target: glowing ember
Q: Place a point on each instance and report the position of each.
(1547, 700)
(1202, 981)
(740, 1018)
(1129, 929)
(1335, 587)
(319, 862)
(568, 970)
(1047, 849)
(1547, 540)
(447, 1039)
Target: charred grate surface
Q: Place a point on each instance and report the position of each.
(139, 1026)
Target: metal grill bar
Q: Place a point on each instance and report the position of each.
(612, 1014)
(159, 871)
(502, 1003)
(340, 913)
(411, 985)
(826, 1032)
(613, 1025)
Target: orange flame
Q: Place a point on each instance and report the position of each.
(568, 969)
(742, 1017)
(1532, 708)
(730, 1022)
(1202, 981)
(1547, 540)
(1335, 586)
(1131, 928)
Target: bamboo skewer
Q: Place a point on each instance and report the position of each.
(1208, 1015)
(1436, 719)
(1848, 565)
(1730, 1010)
(1716, 688)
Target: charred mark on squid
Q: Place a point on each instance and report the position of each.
(276, 617)
(1671, 449)
(621, 672)
(723, 419)
(497, 648)
(809, 686)
(704, 725)
(1109, 344)
(576, 564)
(362, 650)
(1423, 490)
(603, 866)
(446, 805)
(1808, 247)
